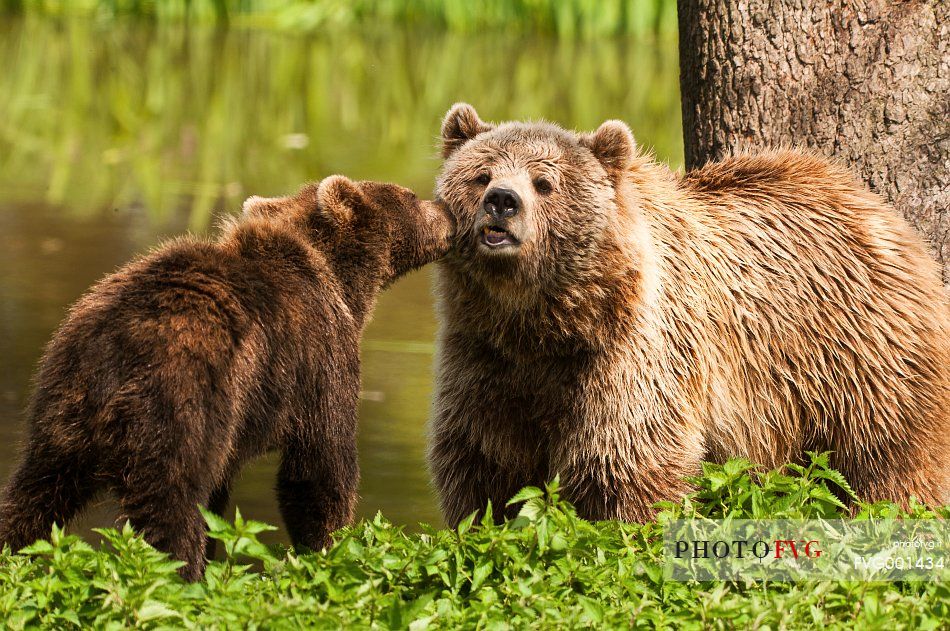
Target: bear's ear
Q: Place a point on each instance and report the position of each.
(612, 144)
(459, 126)
(337, 198)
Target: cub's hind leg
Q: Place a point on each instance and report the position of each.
(217, 504)
(316, 487)
(49, 486)
(162, 505)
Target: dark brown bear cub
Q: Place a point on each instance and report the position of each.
(174, 371)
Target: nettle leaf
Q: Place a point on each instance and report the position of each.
(152, 610)
(559, 542)
(532, 508)
(593, 611)
(821, 460)
(734, 468)
(481, 572)
(39, 547)
(527, 493)
(836, 477)
(488, 516)
(717, 480)
(216, 523)
(821, 493)
(466, 524)
(254, 549)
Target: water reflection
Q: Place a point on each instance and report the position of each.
(114, 138)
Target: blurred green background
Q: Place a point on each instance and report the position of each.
(124, 122)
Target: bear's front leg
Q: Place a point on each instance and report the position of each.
(602, 489)
(316, 486)
(467, 479)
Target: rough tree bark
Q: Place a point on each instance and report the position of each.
(867, 81)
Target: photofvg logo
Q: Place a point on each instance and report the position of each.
(739, 548)
(793, 550)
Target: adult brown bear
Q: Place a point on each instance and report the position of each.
(174, 371)
(609, 321)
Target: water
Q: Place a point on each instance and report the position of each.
(115, 137)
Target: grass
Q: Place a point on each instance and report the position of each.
(566, 18)
(547, 569)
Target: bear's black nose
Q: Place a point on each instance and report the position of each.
(501, 203)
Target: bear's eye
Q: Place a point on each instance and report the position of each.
(543, 186)
(483, 179)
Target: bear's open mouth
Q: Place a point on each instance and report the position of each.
(497, 237)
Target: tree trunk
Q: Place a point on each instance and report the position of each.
(866, 81)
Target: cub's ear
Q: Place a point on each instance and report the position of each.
(459, 126)
(337, 197)
(612, 144)
(257, 206)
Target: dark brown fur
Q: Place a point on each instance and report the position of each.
(760, 307)
(174, 371)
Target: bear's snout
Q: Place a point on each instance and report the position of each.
(496, 230)
(501, 203)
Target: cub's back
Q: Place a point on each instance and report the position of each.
(202, 321)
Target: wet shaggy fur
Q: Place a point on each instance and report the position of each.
(174, 371)
(761, 307)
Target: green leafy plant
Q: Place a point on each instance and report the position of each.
(546, 567)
